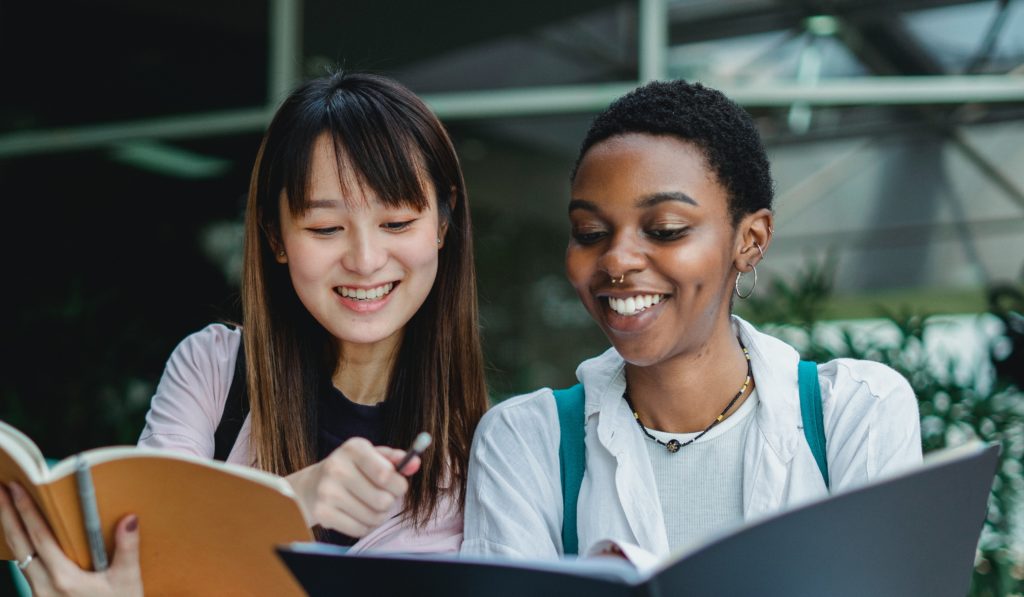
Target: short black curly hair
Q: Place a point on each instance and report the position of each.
(716, 125)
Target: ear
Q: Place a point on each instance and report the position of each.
(273, 235)
(753, 237)
(442, 227)
(279, 254)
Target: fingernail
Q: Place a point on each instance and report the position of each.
(16, 492)
(133, 524)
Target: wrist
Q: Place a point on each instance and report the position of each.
(300, 481)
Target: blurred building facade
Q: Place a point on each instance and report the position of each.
(127, 131)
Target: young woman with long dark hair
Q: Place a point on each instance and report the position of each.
(359, 330)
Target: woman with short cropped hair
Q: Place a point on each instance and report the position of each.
(693, 418)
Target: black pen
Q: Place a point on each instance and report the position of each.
(422, 442)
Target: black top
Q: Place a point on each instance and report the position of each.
(338, 420)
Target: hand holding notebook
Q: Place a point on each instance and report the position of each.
(210, 527)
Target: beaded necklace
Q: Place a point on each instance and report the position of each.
(673, 445)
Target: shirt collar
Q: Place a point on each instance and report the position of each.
(773, 362)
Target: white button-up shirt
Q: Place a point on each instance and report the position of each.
(514, 501)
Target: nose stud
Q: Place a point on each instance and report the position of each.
(621, 279)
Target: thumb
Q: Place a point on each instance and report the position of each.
(396, 456)
(125, 565)
(411, 468)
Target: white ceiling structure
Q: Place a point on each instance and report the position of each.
(896, 129)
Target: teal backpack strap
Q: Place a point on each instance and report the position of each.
(572, 459)
(810, 411)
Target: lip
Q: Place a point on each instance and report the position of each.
(365, 306)
(630, 324)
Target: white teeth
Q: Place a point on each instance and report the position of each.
(634, 304)
(362, 294)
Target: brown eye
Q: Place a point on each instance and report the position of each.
(588, 238)
(397, 226)
(667, 234)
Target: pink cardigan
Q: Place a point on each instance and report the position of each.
(186, 410)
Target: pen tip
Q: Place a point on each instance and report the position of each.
(422, 441)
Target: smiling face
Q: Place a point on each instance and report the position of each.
(648, 208)
(362, 269)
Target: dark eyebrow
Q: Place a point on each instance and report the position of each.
(581, 204)
(322, 204)
(642, 203)
(656, 198)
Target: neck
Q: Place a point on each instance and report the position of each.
(685, 393)
(364, 370)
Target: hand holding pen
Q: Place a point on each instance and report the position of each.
(358, 486)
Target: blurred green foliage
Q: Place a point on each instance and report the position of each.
(985, 402)
(111, 275)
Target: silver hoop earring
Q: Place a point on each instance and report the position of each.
(753, 268)
(758, 247)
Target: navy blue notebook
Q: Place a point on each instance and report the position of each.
(909, 535)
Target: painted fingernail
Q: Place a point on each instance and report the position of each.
(133, 524)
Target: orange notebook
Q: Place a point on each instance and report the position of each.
(207, 527)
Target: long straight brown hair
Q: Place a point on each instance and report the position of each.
(388, 139)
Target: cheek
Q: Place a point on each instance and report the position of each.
(698, 275)
(305, 264)
(578, 267)
(419, 255)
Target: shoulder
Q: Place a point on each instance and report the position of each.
(526, 415)
(216, 341)
(190, 396)
(864, 380)
(202, 367)
(872, 420)
(208, 354)
(842, 377)
(865, 397)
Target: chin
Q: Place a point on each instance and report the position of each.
(638, 353)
